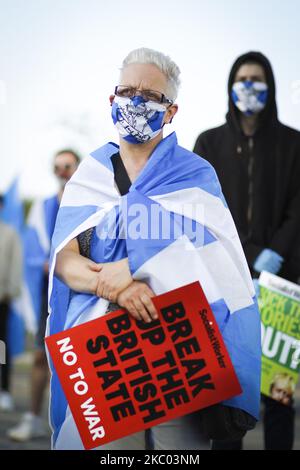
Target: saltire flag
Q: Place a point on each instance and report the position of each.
(36, 242)
(180, 190)
(35, 237)
(13, 212)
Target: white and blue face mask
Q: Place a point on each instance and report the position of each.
(137, 120)
(249, 97)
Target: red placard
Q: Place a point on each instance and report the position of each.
(121, 376)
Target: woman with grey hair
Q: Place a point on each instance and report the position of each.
(101, 273)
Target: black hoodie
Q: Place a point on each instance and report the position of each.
(259, 175)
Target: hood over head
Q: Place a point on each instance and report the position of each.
(269, 115)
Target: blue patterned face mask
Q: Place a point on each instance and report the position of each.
(137, 120)
(249, 97)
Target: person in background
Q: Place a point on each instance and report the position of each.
(41, 223)
(10, 288)
(257, 160)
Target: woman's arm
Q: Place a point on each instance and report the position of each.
(84, 275)
(78, 272)
(112, 281)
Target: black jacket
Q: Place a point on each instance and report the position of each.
(260, 177)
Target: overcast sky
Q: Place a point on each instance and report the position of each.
(59, 62)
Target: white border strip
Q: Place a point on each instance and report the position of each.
(280, 285)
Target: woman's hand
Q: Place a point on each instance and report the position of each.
(137, 300)
(113, 278)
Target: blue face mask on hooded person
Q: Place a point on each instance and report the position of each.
(249, 97)
(137, 121)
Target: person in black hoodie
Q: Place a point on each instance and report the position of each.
(257, 160)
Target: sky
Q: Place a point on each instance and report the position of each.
(60, 60)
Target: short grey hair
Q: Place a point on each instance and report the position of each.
(164, 63)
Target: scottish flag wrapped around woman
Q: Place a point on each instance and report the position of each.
(178, 190)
